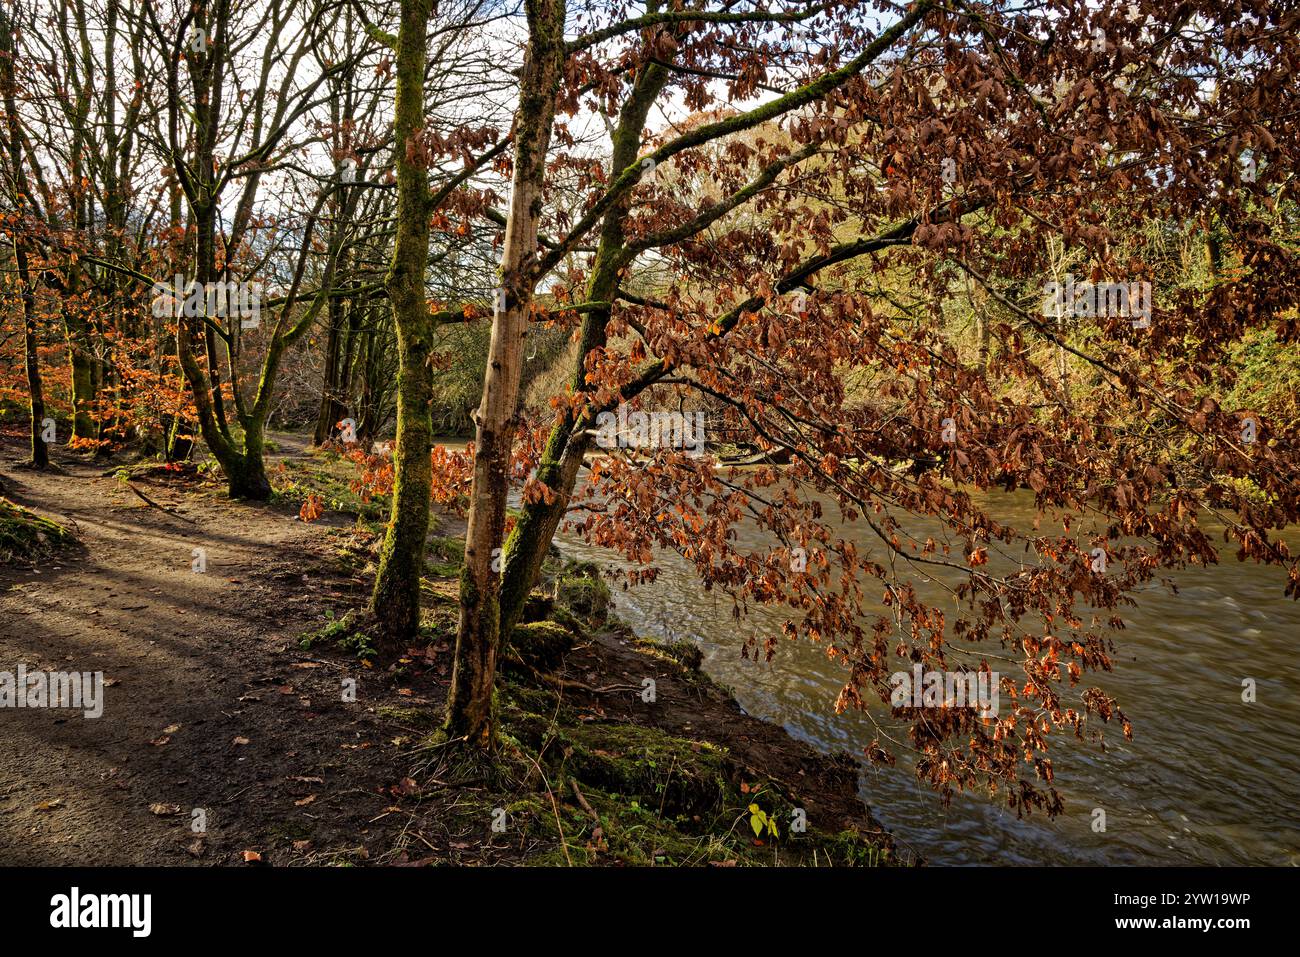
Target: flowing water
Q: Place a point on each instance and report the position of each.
(1207, 779)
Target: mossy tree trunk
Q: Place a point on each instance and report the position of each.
(81, 359)
(395, 601)
(35, 389)
(469, 703)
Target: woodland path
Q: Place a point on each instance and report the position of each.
(213, 655)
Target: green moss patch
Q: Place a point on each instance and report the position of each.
(25, 536)
(677, 776)
(541, 644)
(580, 590)
(330, 477)
(446, 556)
(342, 633)
(631, 795)
(685, 653)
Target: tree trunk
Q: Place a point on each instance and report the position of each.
(469, 703)
(35, 390)
(331, 409)
(83, 387)
(395, 602)
(562, 458)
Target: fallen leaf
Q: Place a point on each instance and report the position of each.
(305, 801)
(252, 857)
(159, 742)
(49, 805)
(165, 810)
(241, 740)
(406, 786)
(171, 729)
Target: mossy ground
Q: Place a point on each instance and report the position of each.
(25, 536)
(613, 793)
(573, 787)
(331, 477)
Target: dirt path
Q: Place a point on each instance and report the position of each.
(210, 655)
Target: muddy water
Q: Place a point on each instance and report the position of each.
(1207, 779)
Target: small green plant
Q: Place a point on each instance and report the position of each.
(360, 645)
(760, 822)
(340, 633)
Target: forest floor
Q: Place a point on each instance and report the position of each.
(224, 741)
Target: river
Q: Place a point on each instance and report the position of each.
(1207, 779)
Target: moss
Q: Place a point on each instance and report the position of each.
(331, 478)
(580, 590)
(567, 619)
(25, 536)
(685, 653)
(412, 717)
(541, 644)
(676, 775)
(343, 634)
(537, 607)
(446, 556)
(583, 792)
(624, 794)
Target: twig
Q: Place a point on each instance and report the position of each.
(582, 799)
(580, 686)
(162, 508)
